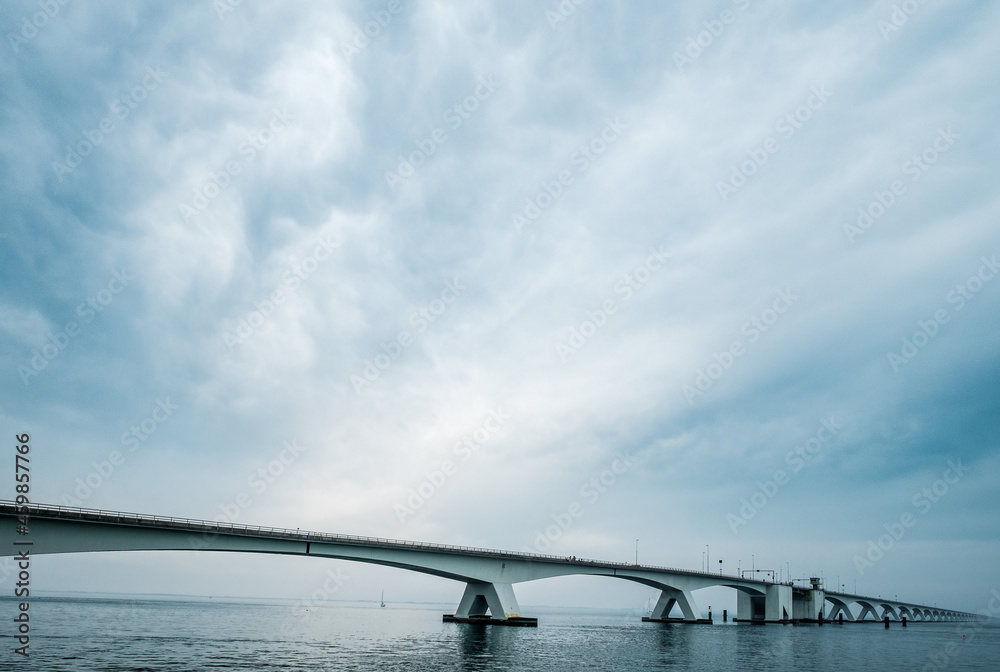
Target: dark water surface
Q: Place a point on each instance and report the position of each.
(82, 634)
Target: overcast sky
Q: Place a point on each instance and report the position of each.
(451, 260)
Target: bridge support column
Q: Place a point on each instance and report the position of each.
(749, 607)
(778, 604)
(866, 609)
(840, 610)
(682, 598)
(497, 598)
(807, 604)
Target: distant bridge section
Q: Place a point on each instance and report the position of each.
(489, 575)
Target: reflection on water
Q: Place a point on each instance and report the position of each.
(674, 641)
(482, 645)
(84, 635)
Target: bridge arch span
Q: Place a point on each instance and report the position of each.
(489, 575)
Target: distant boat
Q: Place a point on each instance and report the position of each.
(383, 599)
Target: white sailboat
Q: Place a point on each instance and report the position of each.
(383, 599)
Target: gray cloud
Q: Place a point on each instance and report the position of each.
(301, 207)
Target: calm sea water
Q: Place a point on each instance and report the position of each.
(110, 635)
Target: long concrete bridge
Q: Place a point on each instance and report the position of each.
(489, 575)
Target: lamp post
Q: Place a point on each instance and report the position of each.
(720, 567)
(637, 552)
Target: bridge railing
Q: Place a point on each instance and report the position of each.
(191, 524)
(851, 597)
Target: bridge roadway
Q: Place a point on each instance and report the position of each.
(489, 575)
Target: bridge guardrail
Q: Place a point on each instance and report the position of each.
(100, 515)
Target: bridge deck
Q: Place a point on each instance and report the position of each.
(193, 525)
(484, 580)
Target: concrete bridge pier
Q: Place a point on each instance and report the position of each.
(887, 610)
(867, 608)
(749, 607)
(807, 604)
(668, 598)
(778, 604)
(840, 610)
(774, 606)
(497, 598)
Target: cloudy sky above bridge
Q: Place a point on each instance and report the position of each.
(511, 274)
